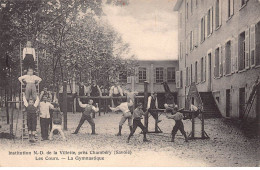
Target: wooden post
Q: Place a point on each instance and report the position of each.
(202, 125)
(65, 104)
(99, 104)
(193, 126)
(12, 121)
(145, 103)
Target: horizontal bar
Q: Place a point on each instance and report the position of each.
(105, 97)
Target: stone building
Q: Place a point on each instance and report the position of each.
(219, 51)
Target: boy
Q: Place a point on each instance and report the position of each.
(177, 116)
(86, 115)
(137, 116)
(57, 122)
(124, 107)
(31, 109)
(45, 107)
(153, 104)
(31, 81)
(29, 56)
(115, 91)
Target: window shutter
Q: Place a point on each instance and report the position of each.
(206, 25)
(220, 12)
(231, 7)
(236, 54)
(224, 59)
(192, 40)
(247, 48)
(178, 79)
(221, 56)
(148, 75)
(211, 20)
(198, 71)
(214, 16)
(199, 33)
(252, 45)
(165, 74)
(154, 75)
(136, 75)
(205, 63)
(232, 56)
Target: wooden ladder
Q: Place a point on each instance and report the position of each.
(25, 135)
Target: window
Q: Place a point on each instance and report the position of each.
(241, 46)
(217, 14)
(216, 66)
(123, 77)
(209, 22)
(196, 72)
(202, 29)
(142, 74)
(230, 8)
(228, 57)
(159, 75)
(171, 74)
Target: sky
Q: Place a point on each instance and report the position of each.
(149, 26)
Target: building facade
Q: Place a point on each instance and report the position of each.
(219, 51)
(154, 72)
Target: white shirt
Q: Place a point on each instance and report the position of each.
(124, 107)
(193, 108)
(26, 102)
(30, 79)
(28, 50)
(45, 109)
(149, 102)
(115, 90)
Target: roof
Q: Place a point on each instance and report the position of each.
(177, 5)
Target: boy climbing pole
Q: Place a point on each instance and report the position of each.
(31, 109)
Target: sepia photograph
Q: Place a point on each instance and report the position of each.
(129, 83)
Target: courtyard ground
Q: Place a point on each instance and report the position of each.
(227, 145)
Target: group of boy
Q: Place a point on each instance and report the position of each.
(33, 102)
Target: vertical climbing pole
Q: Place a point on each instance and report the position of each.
(64, 103)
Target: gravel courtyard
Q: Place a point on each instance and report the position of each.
(227, 145)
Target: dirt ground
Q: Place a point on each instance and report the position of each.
(227, 146)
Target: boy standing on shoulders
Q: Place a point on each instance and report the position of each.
(177, 116)
(31, 81)
(31, 109)
(137, 115)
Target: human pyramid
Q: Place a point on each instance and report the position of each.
(51, 116)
